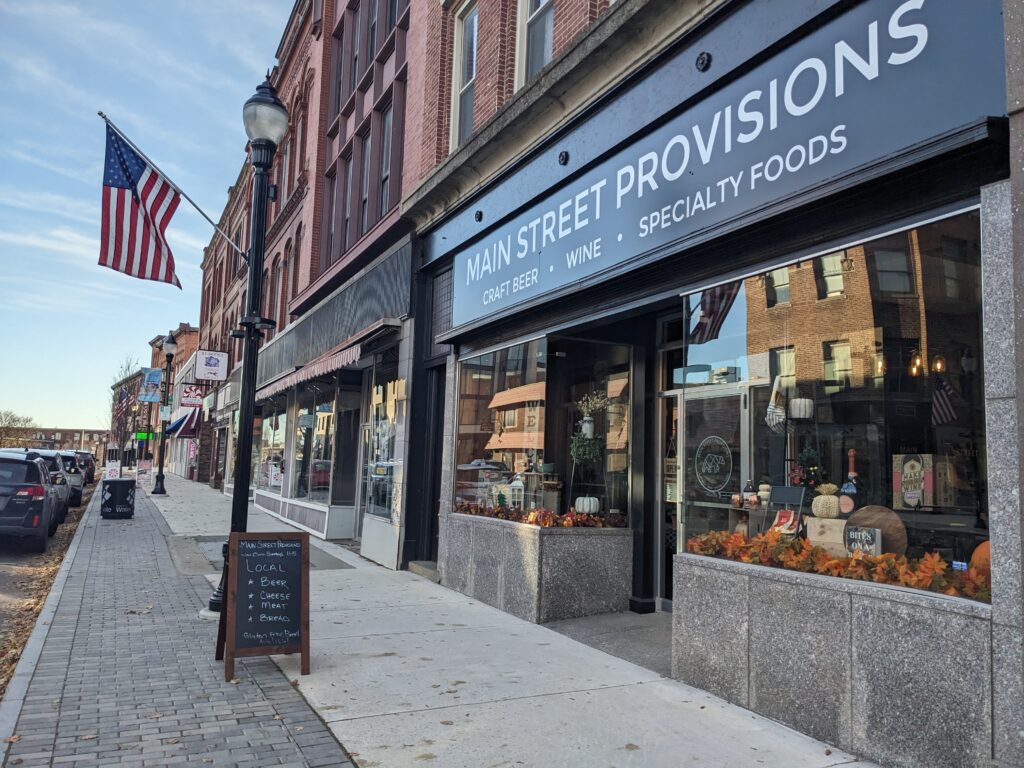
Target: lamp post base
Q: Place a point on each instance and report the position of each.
(216, 603)
(158, 486)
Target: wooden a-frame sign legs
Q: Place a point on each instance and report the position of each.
(266, 601)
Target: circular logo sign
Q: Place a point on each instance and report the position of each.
(713, 464)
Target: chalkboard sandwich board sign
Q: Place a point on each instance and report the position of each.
(267, 607)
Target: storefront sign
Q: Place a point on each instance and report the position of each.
(191, 396)
(874, 82)
(149, 387)
(211, 366)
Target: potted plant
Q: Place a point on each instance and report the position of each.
(588, 406)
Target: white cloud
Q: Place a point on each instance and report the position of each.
(67, 171)
(51, 203)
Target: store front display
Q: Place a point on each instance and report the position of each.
(756, 335)
(269, 466)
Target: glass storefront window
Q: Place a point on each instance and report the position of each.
(500, 458)
(872, 404)
(382, 465)
(268, 464)
(314, 442)
(544, 427)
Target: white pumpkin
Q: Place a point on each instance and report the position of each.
(587, 505)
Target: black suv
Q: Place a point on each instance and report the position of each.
(28, 499)
(60, 474)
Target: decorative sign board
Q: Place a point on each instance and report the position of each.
(266, 607)
(112, 470)
(149, 388)
(867, 540)
(211, 366)
(191, 396)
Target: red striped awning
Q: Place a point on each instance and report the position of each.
(326, 363)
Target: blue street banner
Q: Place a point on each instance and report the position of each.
(149, 390)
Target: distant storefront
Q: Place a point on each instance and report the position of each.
(330, 446)
(769, 317)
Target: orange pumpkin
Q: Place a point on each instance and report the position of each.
(981, 558)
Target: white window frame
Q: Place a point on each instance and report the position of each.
(523, 17)
(464, 10)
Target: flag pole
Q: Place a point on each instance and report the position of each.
(176, 188)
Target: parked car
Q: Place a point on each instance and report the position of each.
(88, 463)
(75, 473)
(28, 499)
(59, 476)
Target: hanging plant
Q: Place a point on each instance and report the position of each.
(585, 450)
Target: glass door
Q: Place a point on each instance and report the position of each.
(705, 458)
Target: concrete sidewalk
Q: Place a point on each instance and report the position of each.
(409, 673)
(125, 673)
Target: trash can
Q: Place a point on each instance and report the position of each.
(117, 499)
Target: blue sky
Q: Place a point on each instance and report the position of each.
(173, 75)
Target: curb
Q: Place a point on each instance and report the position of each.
(14, 698)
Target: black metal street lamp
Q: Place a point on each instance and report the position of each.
(170, 346)
(266, 122)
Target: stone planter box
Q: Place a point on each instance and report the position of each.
(538, 574)
(895, 675)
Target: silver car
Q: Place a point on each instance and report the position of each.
(75, 476)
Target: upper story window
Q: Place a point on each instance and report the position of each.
(465, 74)
(364, 186)
(346, 210)
(536, 26)
(892, 268)
(392, 14)
(339, 72)
(357, 15)
(777, 286)
(828, 274)
(236, 255)
(371, 32)
(385, 160)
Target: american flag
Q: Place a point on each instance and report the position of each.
(138, 202)
(943, 398)
(124, 398)
(715, 304)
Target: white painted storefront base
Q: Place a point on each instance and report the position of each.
(380, 540)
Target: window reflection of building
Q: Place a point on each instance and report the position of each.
(875, 337)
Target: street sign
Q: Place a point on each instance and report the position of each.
(143, 435)
(165, 413)
(266, 607)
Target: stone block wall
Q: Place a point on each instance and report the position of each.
(538, 574)
(890, 674)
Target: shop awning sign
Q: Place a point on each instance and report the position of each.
(874, 82)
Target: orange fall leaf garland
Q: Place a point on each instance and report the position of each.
(930, 572)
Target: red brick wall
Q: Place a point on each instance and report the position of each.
(431, 55)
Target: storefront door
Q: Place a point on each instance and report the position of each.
(705, 460)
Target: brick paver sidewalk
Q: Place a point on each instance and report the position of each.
(127, 676)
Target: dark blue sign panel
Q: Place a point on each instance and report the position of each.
(877, 80)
